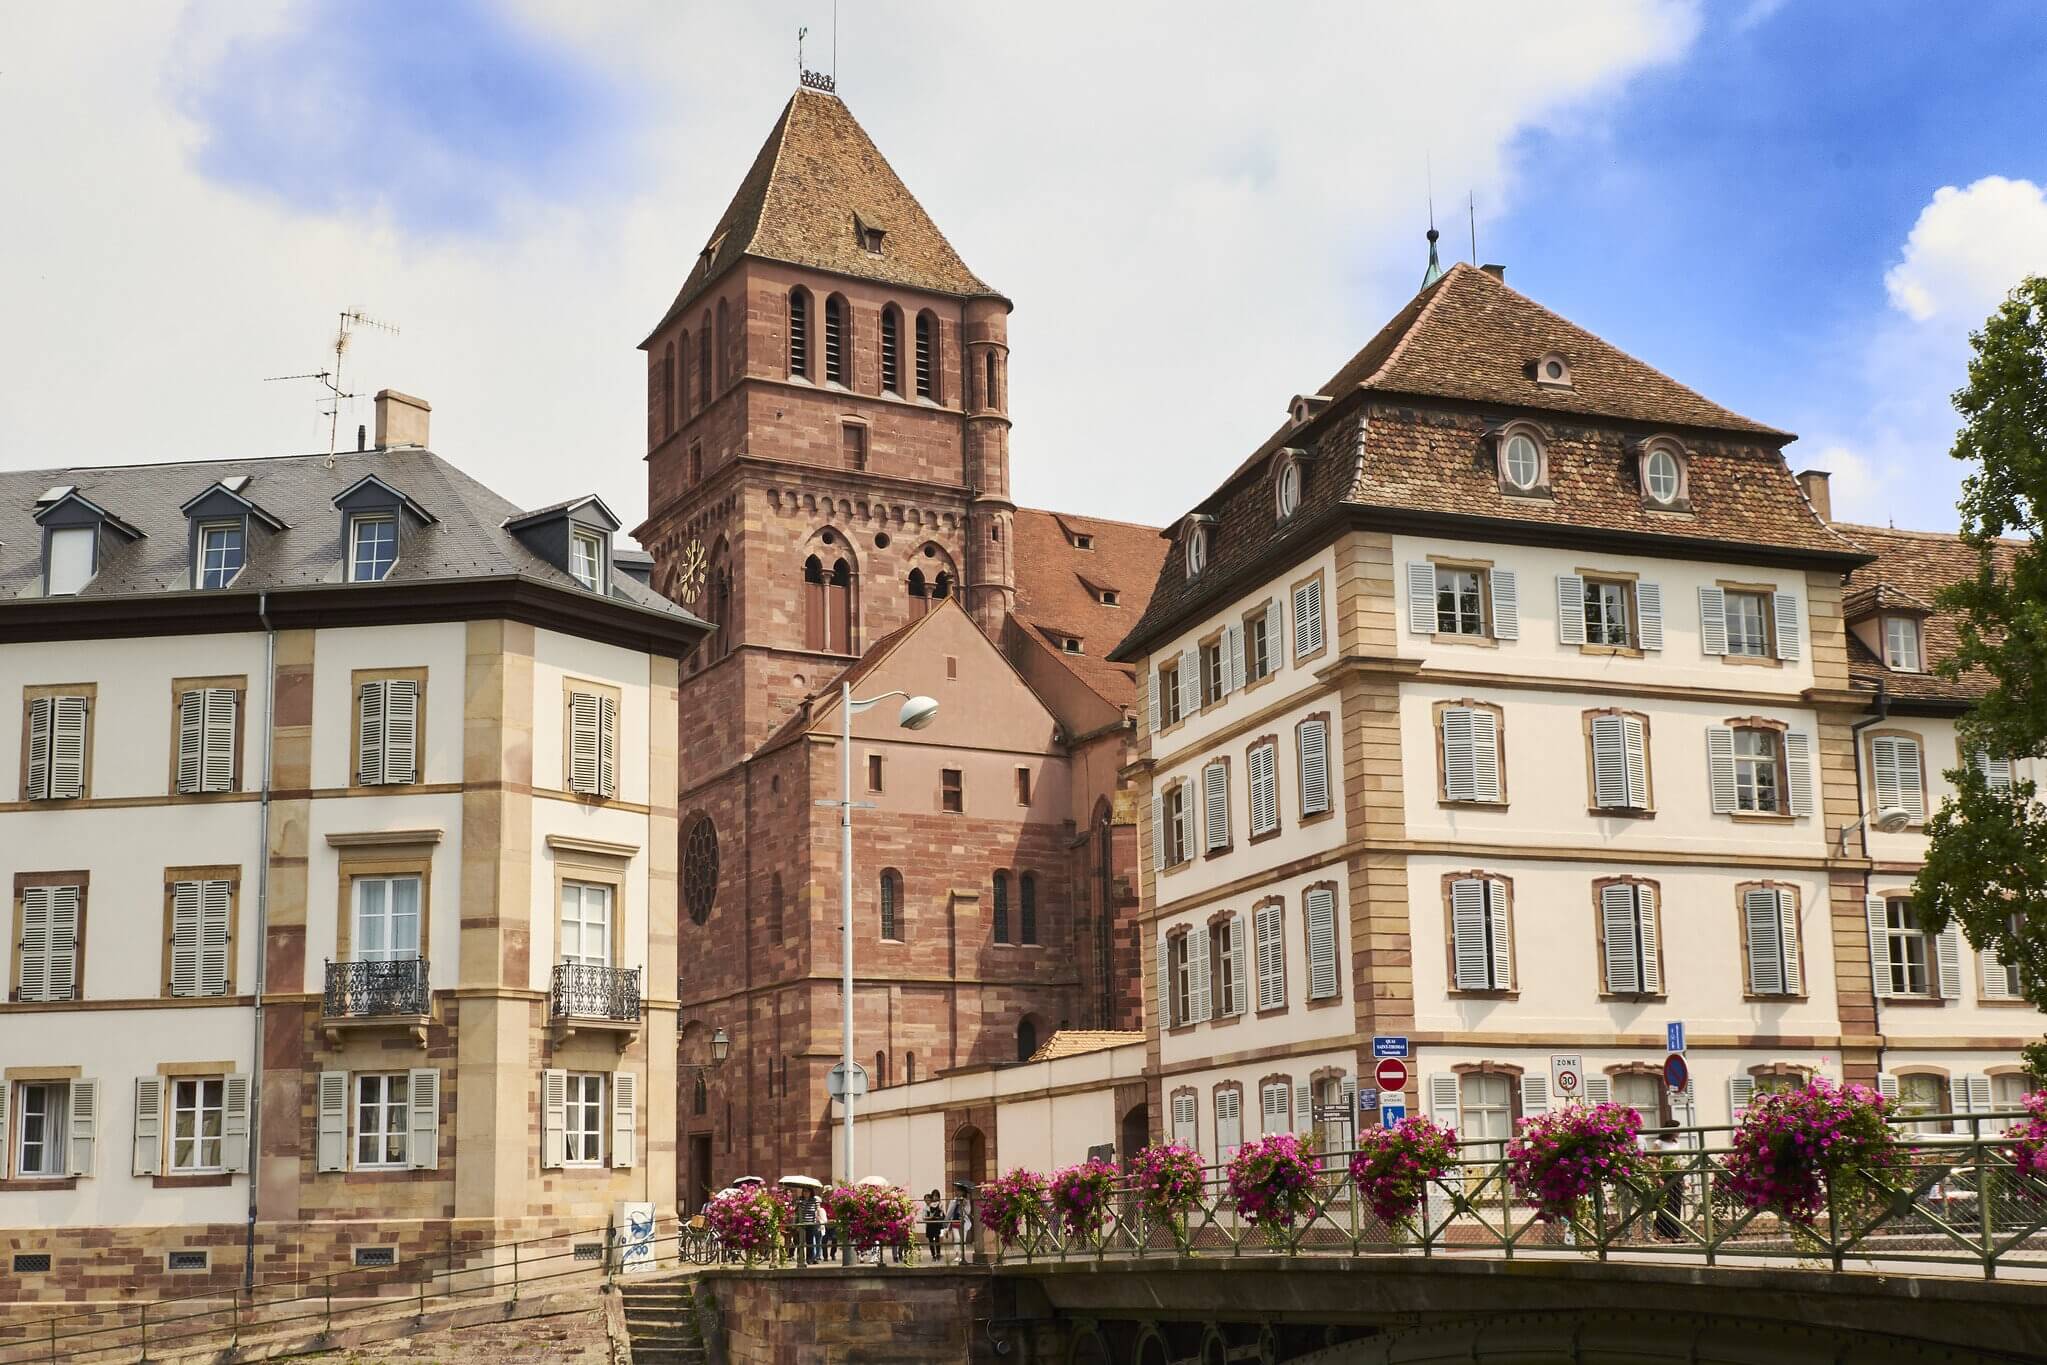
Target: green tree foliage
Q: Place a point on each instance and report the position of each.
(1986, 867)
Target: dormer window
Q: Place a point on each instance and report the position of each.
(1081, 542)
(1663, 473)
(586, 558)
(1306, 405)
(1553, 371)
(1194, 539)
(372, 547)
(868, 234)
(221, 551)
(1902, 644)
(1524, 463)
(1107, 597)
(76, 532)
(73, 552)
(1287, 488)
(1070, 644)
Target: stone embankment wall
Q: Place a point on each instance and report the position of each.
(837, 1317)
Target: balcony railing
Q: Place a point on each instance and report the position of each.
(586, 992)
(372, 990)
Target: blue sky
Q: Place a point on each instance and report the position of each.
(1797, 207)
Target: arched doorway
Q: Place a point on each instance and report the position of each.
(1026, 1037)
(969, 1156)
(1134, 1134)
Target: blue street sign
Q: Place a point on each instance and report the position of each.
(1368, 1100)
(1676, 1074)
(1390, 1114)
(1674, 1036)
(1388, 1045)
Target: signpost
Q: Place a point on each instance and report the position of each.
(835, 1081)
(1391, 1074)
(1674, 1036)
(1389, 1045)
(1676, 1074)
(1391, 1115)
(1566, 1076)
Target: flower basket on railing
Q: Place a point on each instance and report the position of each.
(2029, 1137)
(1558, 1159)
(1272, 1181)
(1081, 1195)
(1014, 1205)
(1796, 1147)
(1393, 1167)
(1167, 1180)
(751, 1221)
(870, 1216)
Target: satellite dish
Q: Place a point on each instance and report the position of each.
(1891, 819)
(917, 713)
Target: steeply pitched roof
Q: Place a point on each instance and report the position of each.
(817, 174)
(1910, 570)
(1072, 1042)
(1057, 587)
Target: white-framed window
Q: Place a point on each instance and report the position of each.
(1521, 462)
(196, 1129)
(586, 923)
(1627, 927)
(1620, 762)
(386, 913)
(46, 965)
(201, 913)
(1471, 754)
(1215, 807)
(1311, 750)
(1481, 938)
(387, 732)
(57, 729)
(73, 560)
(41, 1111)
(1748, 624)
(593, 744)
(209, 723)
(1662, 475)
(1183, 1120)
(1902, 644)
(1910, 948)
(1895, 761)
(1770, 929)
(2008, 1091)
(1643, 1094)
(1745, 623)
(1173, 826)
(1261, 628)
(220, 553)
(1229, 1122)
(382, 1125)
(1228, 962)
(586, 558)
(1485, 1110)
(372, 547)
(1756, 772)
(1921, 1092)
(1606, 613)
(1276, 1106)
(1195, 537)
(583, 1125)
(1287, 492)
(1460, 601)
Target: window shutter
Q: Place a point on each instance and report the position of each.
(1190, 682)
(1158, 834)
(1879, 944)
(1304, 1109)
(423, 1118)
(583, 742)
(1617, 927)
(1502, 932)
(1506, 606)
(1183, 1119)
(1321, 915)
(1271, 928)
(1570, 609)
(1887, 1086)
(1198, 999)
(607, 747)
(1713, 620)
(1996, 771)
(401, 732)
(1652, 964)
(216, 901)
(84, 1126)
(1275, 637)
(369, 732)
(1229, 1121)
(1896, 762)
(1947, 947)
(1599, 1090)
(1763, 924)
(1443, 1099)
(191, 739)
(1720, 768)
(1470, 936)
(1152, 675)
(1485, 756)
(1974, 1091)
(1186, 822)
(60, 959)
(217, 770)
(1233, 658)
(1165, 987)
(67, 749)
(1460, 780)
(1421, 598)
(625, 1115)
(1313, 740)
(1264, 788)
(1740, 1090)
(554, 1117)
(1215, 807)
(1240, 982)
(1534, 1093)
(1649, 615)
(1996, 984)
(1275, 1106)
(148, 1150)
(1789, 631)
(234, 1122)
(41, 713)
(332, 1153)
(1609, 762)
(1635, 738)
(1308, 618)
(185, 897)
(34, 982)
(1798, 770)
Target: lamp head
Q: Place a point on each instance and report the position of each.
(721, 1047)
(1891, 819)
(917, 713)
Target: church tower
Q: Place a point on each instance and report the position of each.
(827, 430)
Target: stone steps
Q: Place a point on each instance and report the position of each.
(661, 1322)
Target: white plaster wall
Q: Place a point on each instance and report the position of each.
(1297, 1064)
(441, 648)
(557, 657)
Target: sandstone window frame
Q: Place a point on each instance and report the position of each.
(1500, 797)
(1896, 735)
(238, 686)
(1665, 1115)
(1261, 626)
(53, 692)
(1648, 955)
(1269, 940)
(1332, 958)
(1314, 804)
(1280, 1083)
(1217, 827)
(1229, 966)
(1505, 920)
(584, 867)
(1261, 773)
(1307, 612)
(1724, 764)
(397, 856)
(1792, 929)
(604, 712)
(359, 680)
(79, 880)
(1669, 448)
(1233, 1090)
(220, 872)
(1629, 809)
(1509, 458)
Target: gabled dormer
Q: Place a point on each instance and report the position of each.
(223, 523)
(375, 518)
(573, 536)
(77, 534)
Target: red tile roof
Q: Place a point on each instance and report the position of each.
(1058, 586)
(1910, 570)
(1074, 1042)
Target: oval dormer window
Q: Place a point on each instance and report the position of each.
(1197, 549)
(1662, 475)
(1521, 462)
(1288, 490)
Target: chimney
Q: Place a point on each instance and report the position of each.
(1814, 482)
(401, 419)
(1498, 272)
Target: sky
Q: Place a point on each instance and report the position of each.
(1199, 209)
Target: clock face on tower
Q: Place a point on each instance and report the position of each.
(689, 573)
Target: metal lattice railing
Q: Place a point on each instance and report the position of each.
(584, 991)
(364, 990)
(1955, 1200)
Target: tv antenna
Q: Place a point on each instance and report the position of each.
(1471, 207)
(351, 318)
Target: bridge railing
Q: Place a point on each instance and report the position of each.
(1955, 1198)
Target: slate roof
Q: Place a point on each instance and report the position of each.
(466, 541)
(1910, 570)
(1406, 434)
(1057, 585)
(1073, 1042)
(815, 175)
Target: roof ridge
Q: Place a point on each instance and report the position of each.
(1090, 516)
(1955, 536)
(1407, 333)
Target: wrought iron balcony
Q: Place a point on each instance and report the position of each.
(590, 994)
(376, 990)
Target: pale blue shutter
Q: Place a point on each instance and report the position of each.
(1506, 605)
(1421, 598)
(1789, 632)
(1713, 620)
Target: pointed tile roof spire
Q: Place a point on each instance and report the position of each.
(1435, 270)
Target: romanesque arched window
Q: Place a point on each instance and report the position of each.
(682, 374)
(1026, 1038)
(837, 342)
(892, 350)
(668, 389)
(799, 333)
(927, 356)
(920, 594)
(891, 903)
(941, 586)
(704, 347)
(999, 918)
(1027, 908)
(988, 388)
(724, 346)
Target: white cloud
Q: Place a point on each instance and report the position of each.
(1968, 248)
(1198, 209)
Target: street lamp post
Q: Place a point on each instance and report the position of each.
(917, 713)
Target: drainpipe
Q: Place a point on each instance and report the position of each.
(262, 935)
(1883, 711)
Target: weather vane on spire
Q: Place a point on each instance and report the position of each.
(808, 79)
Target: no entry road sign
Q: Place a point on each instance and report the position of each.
(1391, 1074)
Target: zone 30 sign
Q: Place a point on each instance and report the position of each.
(1566, 1075)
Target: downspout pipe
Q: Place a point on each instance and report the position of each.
(255, 1160)
(1883, 711)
